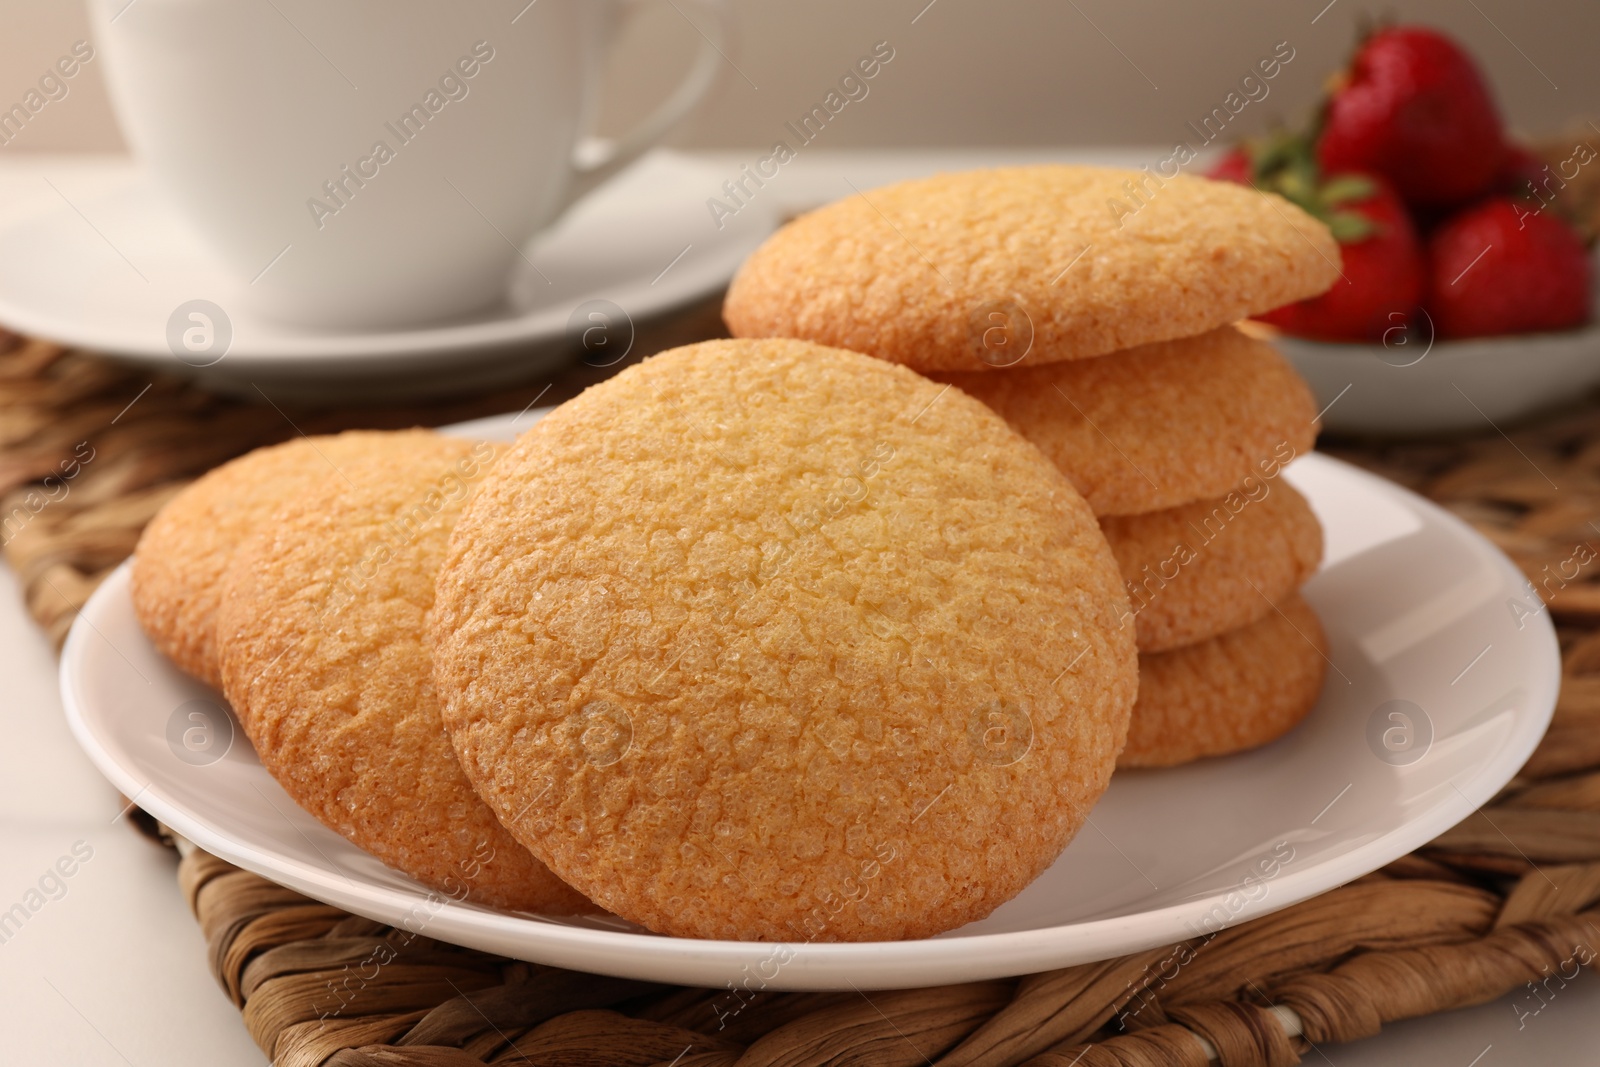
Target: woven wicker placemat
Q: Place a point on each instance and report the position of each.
(1507, 900)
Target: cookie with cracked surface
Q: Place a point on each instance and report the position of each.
(1236, 691)
(1158, 425)
(1200, 569)
(982, 269)
(185, 550)
(767, 640)
(322, 632)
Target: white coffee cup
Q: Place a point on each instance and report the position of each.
(374, 163)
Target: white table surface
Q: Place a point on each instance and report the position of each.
(113, 972)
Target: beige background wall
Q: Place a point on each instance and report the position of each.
(986, 72)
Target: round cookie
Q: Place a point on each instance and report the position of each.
(766, 640)
(1237, 691)
(1158, 425)
(185, 550)
(323, 638)
(981, 269)
(1197, 570)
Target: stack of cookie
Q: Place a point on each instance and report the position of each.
(1093, 309)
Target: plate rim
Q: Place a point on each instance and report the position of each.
(872, 965)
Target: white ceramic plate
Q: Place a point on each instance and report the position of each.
(107, 272)
(1417, 610)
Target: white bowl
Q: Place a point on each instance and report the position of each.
(1420, 386)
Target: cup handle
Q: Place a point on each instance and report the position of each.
(594, 161)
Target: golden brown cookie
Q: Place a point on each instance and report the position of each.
(765, 640)
(1233, 692)
(1158, 425)
(968, 271)
(1197, 570)
(185, 550)
(322, 633)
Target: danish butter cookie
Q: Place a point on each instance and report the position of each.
(986, 268)
(1158, 425)
(322, 633)
(185, 550)
(1236, 691)
(766, 640)
(1197, 570)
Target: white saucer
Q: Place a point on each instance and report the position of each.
(106, 273)
(1416, 608)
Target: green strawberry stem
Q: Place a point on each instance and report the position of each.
(1285, 163)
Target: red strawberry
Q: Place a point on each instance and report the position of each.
(1236, 166)
(1521, 173)
(1414, 108)
(1503, 267)
(1382, 273)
